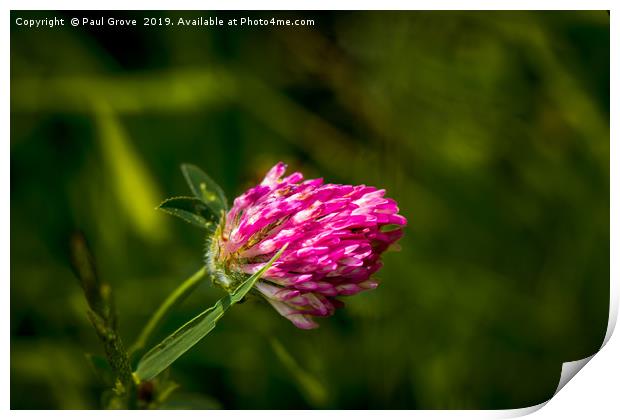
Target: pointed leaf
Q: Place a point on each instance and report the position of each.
(190, 209)
(205, 188)
(173, 347)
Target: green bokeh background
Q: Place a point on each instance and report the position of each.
(491, 130)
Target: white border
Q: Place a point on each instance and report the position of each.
(310, 5)
(594, 393)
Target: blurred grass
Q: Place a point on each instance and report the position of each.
(491, 129)
(134, 187)
(313, 391)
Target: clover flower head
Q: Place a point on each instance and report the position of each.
(335, 235)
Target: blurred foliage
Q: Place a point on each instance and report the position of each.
(491, 129)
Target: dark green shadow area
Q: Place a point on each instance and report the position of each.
(491, 130)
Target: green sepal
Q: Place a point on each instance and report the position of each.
(205, 189)
(192, 210)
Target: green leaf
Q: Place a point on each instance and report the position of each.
(175, 345)
(205, 188)
(192, 210)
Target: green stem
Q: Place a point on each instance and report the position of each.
(175, 297)
(102, 315)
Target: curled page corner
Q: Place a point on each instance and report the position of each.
(570, 369)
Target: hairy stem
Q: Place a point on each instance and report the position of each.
(103, 317)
